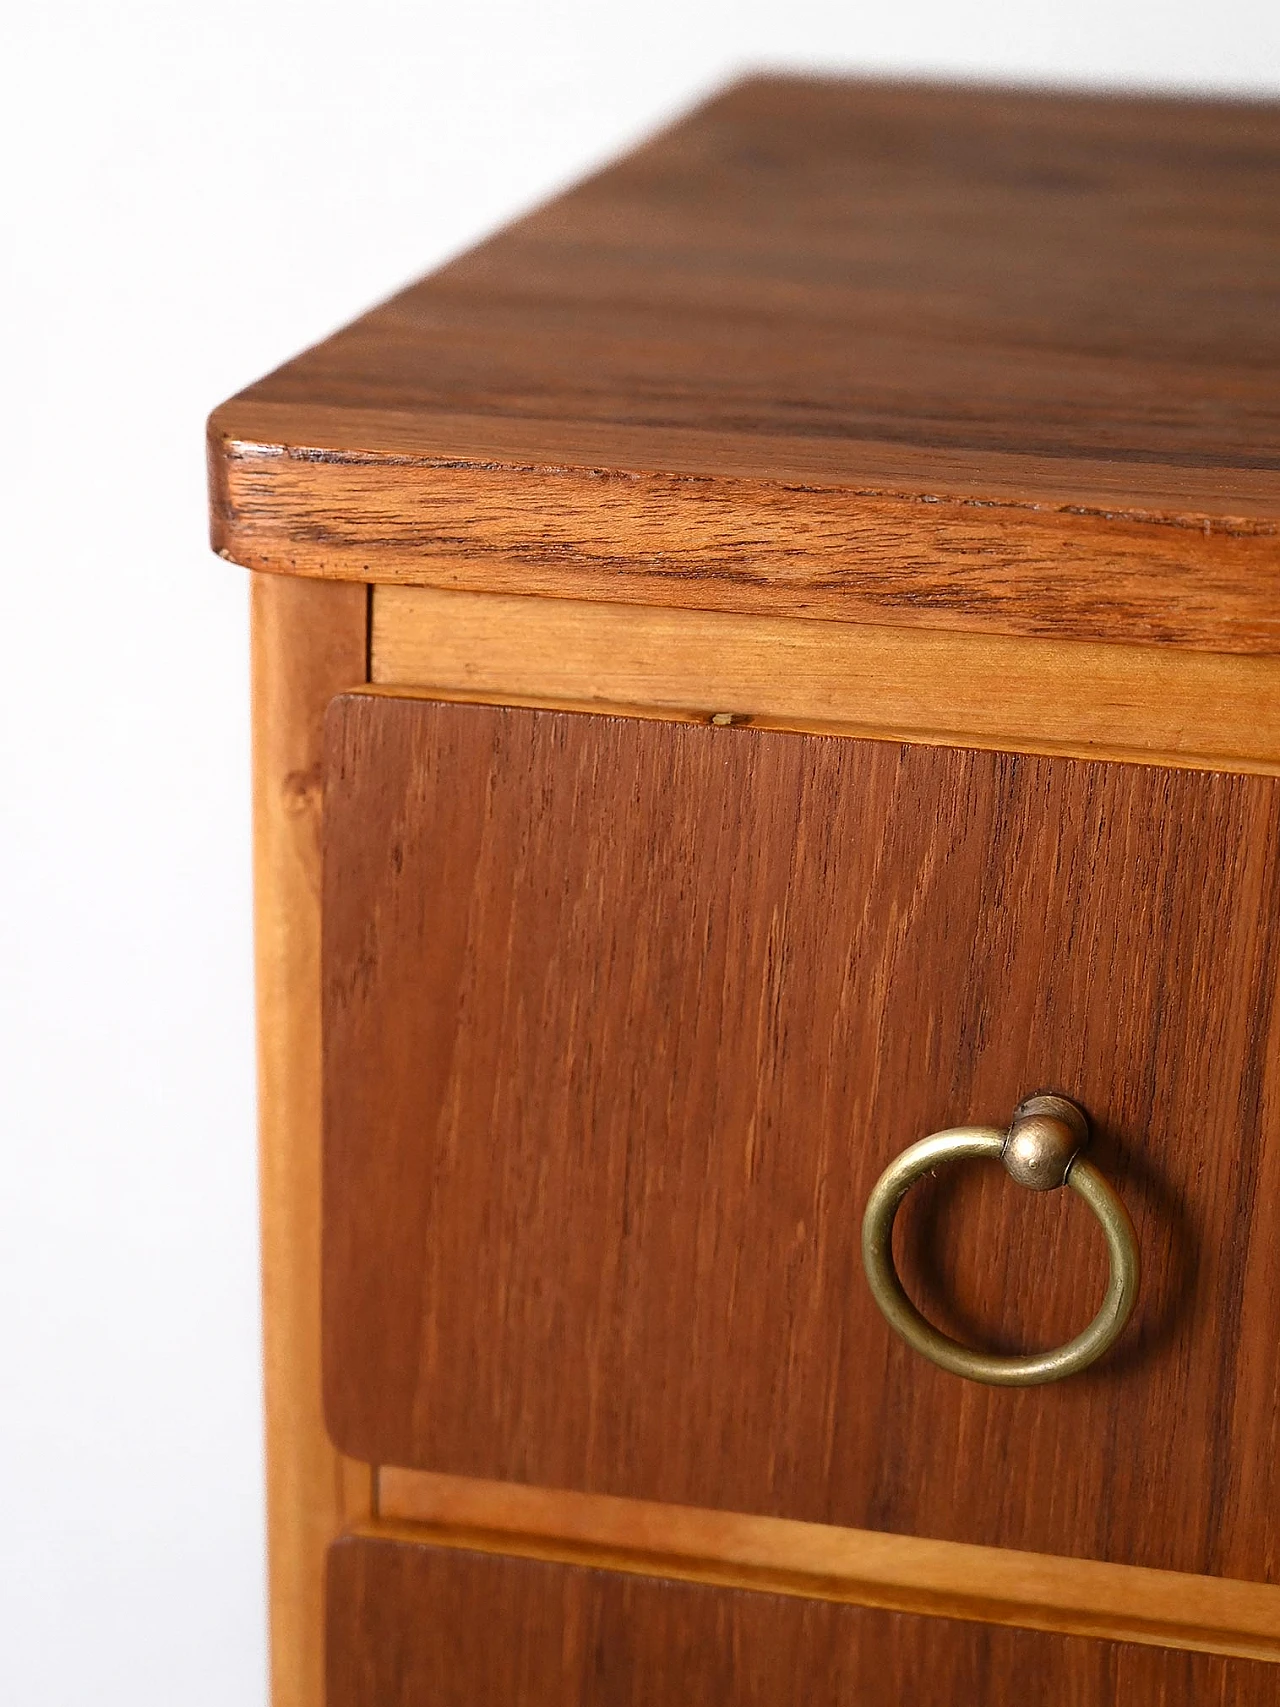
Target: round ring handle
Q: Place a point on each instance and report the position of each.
(1041, 1150)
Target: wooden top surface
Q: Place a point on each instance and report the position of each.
(967, 358)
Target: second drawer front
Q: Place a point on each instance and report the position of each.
(623, 1020)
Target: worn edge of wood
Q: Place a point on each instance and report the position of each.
(309, 641)
(900, 1573)
(835, 551)
(252, 426)
(1066, 698)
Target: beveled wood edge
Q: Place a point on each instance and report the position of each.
(249, 426)
(1187, 580)
(899, 1573)
(1068, 698)
(309, 641)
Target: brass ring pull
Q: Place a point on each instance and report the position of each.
(1041, 1150)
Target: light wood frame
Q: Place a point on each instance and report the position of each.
(1198, 710)
(900, 1573)
(309, 641)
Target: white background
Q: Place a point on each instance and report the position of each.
(190, 193)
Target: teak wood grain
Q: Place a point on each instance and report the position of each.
(973, 359)
(623, 1019)
(411, 1626)
(308, 641)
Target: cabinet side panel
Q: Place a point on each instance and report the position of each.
(413, 1626)
(308, 643)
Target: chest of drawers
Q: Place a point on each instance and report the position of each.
(774, 656)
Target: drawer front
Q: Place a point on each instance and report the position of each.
(415, 1626)
(624, 1019)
